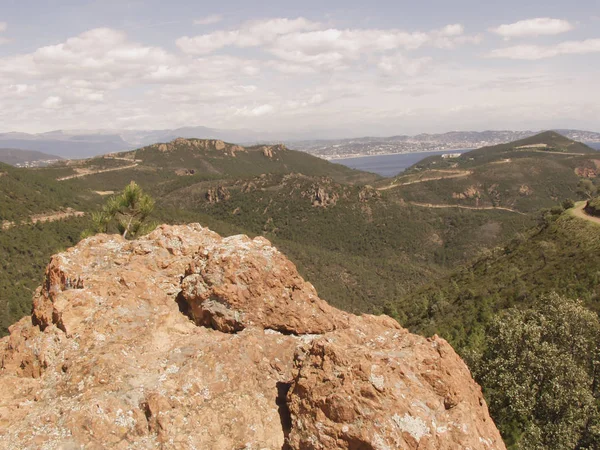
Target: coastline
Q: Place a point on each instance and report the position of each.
(463, 150)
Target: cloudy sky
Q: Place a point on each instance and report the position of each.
(343, 68)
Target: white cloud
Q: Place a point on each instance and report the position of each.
(302, 42)
(291, 68)
(541, 26)
(534, 52)
(103, 57)
(312, 100)
(452, 30)
(335, 49)
(399, 64)
(251, 34)
(21, 88)
(256, 111)
(17, 90)
(209, 20)
(52, 102)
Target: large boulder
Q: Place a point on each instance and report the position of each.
(183, 339)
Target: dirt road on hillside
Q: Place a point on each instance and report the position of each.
(578, 211)
(453, 174)
(86, 172)
(476, 208)
(50, 217)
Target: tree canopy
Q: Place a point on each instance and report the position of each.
(540, 372)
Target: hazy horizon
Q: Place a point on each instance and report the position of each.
(317, 133)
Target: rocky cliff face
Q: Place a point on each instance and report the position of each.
(187, 340)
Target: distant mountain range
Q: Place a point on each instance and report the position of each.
(85, 143)
(454, 140)
(25, 158)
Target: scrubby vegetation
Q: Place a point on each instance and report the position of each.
(359, 254)
(25, 192)
(510, 175)
(561, 254)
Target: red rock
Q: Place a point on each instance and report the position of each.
(109, 359)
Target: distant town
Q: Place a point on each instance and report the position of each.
(458, 140)
(34, 164)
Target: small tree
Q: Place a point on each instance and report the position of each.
(128, 212)
(586, 188)
(568, 203)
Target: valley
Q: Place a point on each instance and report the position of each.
(445, 247)
(363, 240)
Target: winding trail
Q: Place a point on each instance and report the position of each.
(51, 217)
(579, 212)
(555, 153)
(451, 174)
(476, 208)
(86, 172)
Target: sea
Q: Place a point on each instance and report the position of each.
(389, 165)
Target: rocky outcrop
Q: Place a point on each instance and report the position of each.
(271, 151)
(322, 197)
(230, 290)
(367, 193)
(248, 187)
(218, 194)
(525, 191)
(200, 144)
(468, 193)
(268, 152)
(586, 172)
(183, 339)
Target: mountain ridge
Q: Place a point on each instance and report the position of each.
(88, 143)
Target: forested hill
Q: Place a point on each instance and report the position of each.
(561, 254)
(27, 192)
(525, 176)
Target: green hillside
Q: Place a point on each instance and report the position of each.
(26, 192)
(363, 248)
(160, 168)
(25, 251)
(537, 172)
(560, 255)
(358, 246)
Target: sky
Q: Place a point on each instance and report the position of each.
(344, 68)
